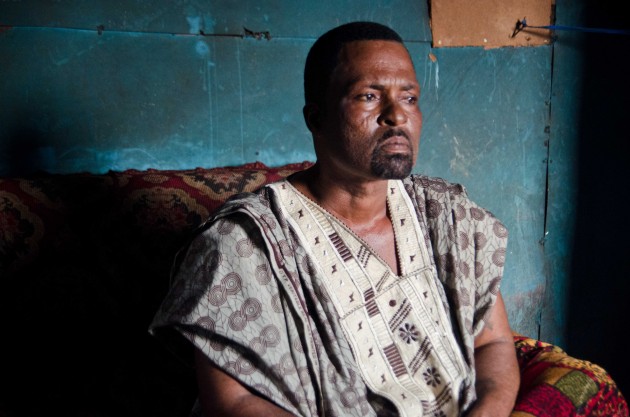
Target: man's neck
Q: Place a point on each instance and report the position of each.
(362, 204)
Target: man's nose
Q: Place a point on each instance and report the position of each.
(392, 114)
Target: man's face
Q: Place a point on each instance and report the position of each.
(370, 125)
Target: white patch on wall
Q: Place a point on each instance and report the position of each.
(202, 49)
(194, 24)
(198, 24)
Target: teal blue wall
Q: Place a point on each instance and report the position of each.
(148, 90)
(151, 92)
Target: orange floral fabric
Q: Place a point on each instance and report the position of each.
(554, 384)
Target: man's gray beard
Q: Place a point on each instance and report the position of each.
(393, 167)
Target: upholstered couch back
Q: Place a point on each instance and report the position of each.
(84, 264)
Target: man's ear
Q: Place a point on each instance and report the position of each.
(312, 117)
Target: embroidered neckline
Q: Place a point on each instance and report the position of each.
(332, 217)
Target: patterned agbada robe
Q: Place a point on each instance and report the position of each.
(287, 300)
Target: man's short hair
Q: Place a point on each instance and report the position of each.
(322, 58)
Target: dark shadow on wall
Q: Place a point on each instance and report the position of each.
(24, 151)
(599, 308)
(27, 142)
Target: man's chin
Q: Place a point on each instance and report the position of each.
(394, 167)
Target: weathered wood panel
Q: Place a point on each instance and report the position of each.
(486, 115)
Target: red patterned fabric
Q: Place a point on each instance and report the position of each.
(36, 215)
(554, 384)
(52, 212)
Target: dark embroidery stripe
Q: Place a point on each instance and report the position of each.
(430, 407)
(341, 247)
(395, 360)
(364, 256)
(370, 303)
(420, 358)
(444, 397)
(400, 315)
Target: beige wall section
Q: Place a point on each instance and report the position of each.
(489, 23)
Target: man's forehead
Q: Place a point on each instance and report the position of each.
(366, 59)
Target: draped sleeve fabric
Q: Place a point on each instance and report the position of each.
(469, 249)
(244, 294)
(227, 301)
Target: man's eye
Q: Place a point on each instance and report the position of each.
(367, 97)
(411, 100)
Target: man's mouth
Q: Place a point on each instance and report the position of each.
(395, 141)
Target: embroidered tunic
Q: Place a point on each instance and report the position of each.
(285, 298)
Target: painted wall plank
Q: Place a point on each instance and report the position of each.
(292, 19)
(563, 157)
(485, 113)
(94, 103)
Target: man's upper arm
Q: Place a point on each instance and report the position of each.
(221, 395)
(496, 327)
(497, 372)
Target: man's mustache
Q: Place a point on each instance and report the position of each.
(391, 133)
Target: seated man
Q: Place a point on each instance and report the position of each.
(351, 288)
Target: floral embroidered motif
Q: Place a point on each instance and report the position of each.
(432, 377)
(408, 333)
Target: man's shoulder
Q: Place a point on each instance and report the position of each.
(433, 195)
(257, 209)
(435, 187)
(253, 201)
